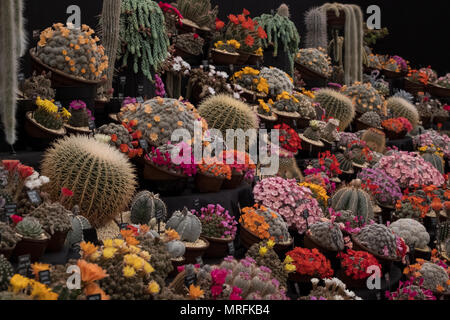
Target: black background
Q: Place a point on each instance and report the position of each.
(418, 30)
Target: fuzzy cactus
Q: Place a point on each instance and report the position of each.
(30, 228)
(355, 199)
(305, 107)
(9, 237)
(288, 168)
(53, 217)
(313, 132)
(316, 60)
(191, 43)
(379, 239)
(375, 139)
(337, 106)
(101, 178)
(78, 223)
(346, 138)
(334, 289)
(412, 231)
(199, 11)
(39, 86)
(402, 108)
(328, 235)
(187, 225)
(371, 118)
(388, 191)
(316, 28)
(277, 80)
(365, 98)
(80, 114)
(224, 112)
(434, 277)
(176, 249)
(6, 272)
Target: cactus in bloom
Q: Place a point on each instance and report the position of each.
(337, 106)
(365, 98)
(375, 139)
(278, 81)
(53, 217)
(371, 118)
(402, 108)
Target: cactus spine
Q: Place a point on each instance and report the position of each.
(402, 108)
(375, 139)
(337, 106)
(316, 28)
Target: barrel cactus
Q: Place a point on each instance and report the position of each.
(277, 80)
(345, 164)
(355, 199)
(371, 118)
(412, 231)
(144, 207)
(328, 235)
(30, 228)
(53, 217)
(101, 178)
(434, 156)
(379, 239)
(188, 226)
(365, 98)
(337, 106)
(375, 139)
(402, 108)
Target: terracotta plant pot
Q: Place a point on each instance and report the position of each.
(308, 74)
(243, 58)
(192, 254)
(218, 248)
(248, 239)
(223, 58)
(152, 172)
(35, 130)
(208, 184)
(35, 248)
(235, 182)
(439, 91)
(56, 242)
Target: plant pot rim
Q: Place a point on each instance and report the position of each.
(199, 173)
(192, 24)
(292, 115)
(225, 240)
(287, 243)
(261, 95)
(272, 117)
(318, 75)
(162, 169)
(226, 52)
(78, 129)
(314, 143)
(61, 132)
(376, 255)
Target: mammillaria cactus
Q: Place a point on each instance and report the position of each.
(330, 132)
(435, 277)
(217, 222)
(288, 168)
(328, 235)
(434, 156)
(6, 272)
(409, 169)
(278, 81)
(199, 11)
(379, 239)
(117, 132)
(190, 42)
(346, 138)
(224, 112)
(388, 191)
(286, 103)
(334, 289)
(187, 225)
(355, 199)
(404, 109)
(432, 137)
(30, 228)
(160, 255)
(337, 106)
(48, 115)
(430, 108)
(294, 203)
(365, 97)
(53, 217)
(313, 132)
(73, 51)
(39, 86)
(305, 108)
(409, 291)
(101, 178)
(9, 237)
(410, 207)
(375, 139)
(316, 60)
(371, 118)
(356, 264)
(358, 153)
(412, 231)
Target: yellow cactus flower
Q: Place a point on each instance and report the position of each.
(263, 251)
(129, 272)
(109, 253)
(153, 287)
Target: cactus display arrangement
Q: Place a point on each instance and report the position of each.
(217, 222)
(49, 116)
(313, 132)
(365, 98)
(371, 119)
(402, 108)
(328, 235)
(277, 80)
(337, 106)
(38, 86)
(30, 228)
(53, 217)
(191, 43)
(375, 140)
(431, 276)
(80, 114)
(315, 59)
(412, 231)
(435, 156)
(144, 207)
(388, 191)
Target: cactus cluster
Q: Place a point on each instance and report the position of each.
(199, 11)
(118, 133)
(330, 132)
(355, 199)
(80, 114)
(412, 231)
(379, 239)
(288, 168)
(144, 207)
(278, 81)
(434, 276)
(156, 119)
(9, 237)
(101, 178)
(30, 228)
(375, 139)
(316, 60)
(402, 108)
(371, 118)
(265, 223)
(334, 289)
(38, 86)
(430, 108)
(53, 217)
(6, 272)
(160, 256)
(434, 156)
(191, 43)
(313, 132)
(286, 103)
(187, 225)
(305, 106)
(337, 106)
(388, 191)
(48, 115)
(73, 51)
(365, 98)
(328, 235)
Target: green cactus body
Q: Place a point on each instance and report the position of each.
(436, 160)
(345, 164)
(365, 98)
(53, 217)
(375, 140)
(337, 106)
(30, 228)
(6, 272)
(79, 223)
(277, 80)
(402, 108)
(142, 208)
(101, 178)
(355, 199)
(188, 226)
(47, 119)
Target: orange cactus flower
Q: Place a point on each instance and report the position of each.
(91, 272)
(195, 292)
(124, 148)
(88, 249)
(93, 288)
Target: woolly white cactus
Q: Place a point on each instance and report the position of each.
(412, 231)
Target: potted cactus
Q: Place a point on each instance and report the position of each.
(313, 64)
(416, 81)
(395, 67)
(211, 174)
(370, 119)
(415, 236)
(225, 52)
(34, 239)
(80, 116)
(240, 164)
(8, 240)
(441, 87)
(189, 46)
(265, 111)
(309, 263)
(355, 265)
(311, 138)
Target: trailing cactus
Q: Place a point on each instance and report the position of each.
(144, 39)
(379, 239)
(337, 106)
(375, 139)
(371, 118)
(6, 272)
(316, 60)
(187, 225)
(278, 81)
(190, 42)
(412, 231)
(355, 199)
(38, 86)
(144, 207)
(9, 237)
(224, 112)
(316, 28)
(101, 178)
(30, 228)
(53, 217)
(365, 98)
(199, 11)
(402, 108)
(78, 223)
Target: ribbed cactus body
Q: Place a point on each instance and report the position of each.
(375, 139)
(316, 28)
(143, 207)
(79, 223)
(224, 112)
(402, 108)
(345, 164)
(30, 228)
(277, 80)
(355, 199)
(188, 226)
(328, 235)
(198, 11)
(337, 106)
(101, 178)
(436, 160)
(79, 118)
(379, 239)
(6, 272)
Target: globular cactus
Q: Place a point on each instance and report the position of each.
(278, 81)
(176, 249)
(328, 235)
(316, 60)
(80, 114)
(53, 217)
(346, 138)
(305, 108)
(9, 237)
(39, 86)
(313, 132)
(345, 164)
(371, 118)
(337, 106)
(355, 199)
(375, 139)
(190, 42)
(224, 112)
(330, 131)
(157, 118)
(79, 223)
(286, 103)
(199, 11)
(48, 115)
(379, 239)
(118, 133)
(316, 28)
(187, 225)
(434, 276)
(412, 231)
(404, 95)
(73, 51)
(144, 207)
(433, 156)
(160, 257)
(30, 228)
(101, 178)
(6, 272)
(402, 108)
(365, 97)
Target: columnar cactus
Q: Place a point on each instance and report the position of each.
(101, 178)
(53, 217)
(6, 272)
(337, 106)
(327, 234)
(379, 239)
(316, 28)
(365, 98)
(375, 139)
(30, 228)
(277, 80)
(402, 108)
(355, 199)
(412, 231)
(187, 225)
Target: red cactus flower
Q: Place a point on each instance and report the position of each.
(196, 36)
(261, 33)
(233, 19)
(124, 148)
(66, 192)
(10, 165)
(245, 12)
(114, 138)
(16, 219)
(250, 41)
(25, 171)
(219, 24)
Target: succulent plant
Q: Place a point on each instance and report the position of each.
(30, 228)
(402, 108)
(73, 51)
(379, 239)
(278, 81)
(160, 256)
(9, 237)
(328, 235)
(80, 114)
(224, 112)
(144, 207)
(217, 222)
(346, 138)
(409, 291)
(365, 97)
(355, 199)
(412, 231)
(434, 276)
(334, 289)
(38, 86)
(265, 223)
(337, 106)
(188, 226)
(118, 133)
(305, 106)
(313, 132)
(79, 223)
(176, 249)
(432, 155)
(345, 163)
(6, 272)
(48, 115)
(432, 137)
(288, 168)
(428, 107)
(371, 118)
(191, 43)
(199, 11)
(404, 95)
(388, 191)
(330, 132)
(53, 217)
(100, 177)
(375, 139)
(316, 60)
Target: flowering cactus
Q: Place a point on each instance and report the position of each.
(388, 191)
